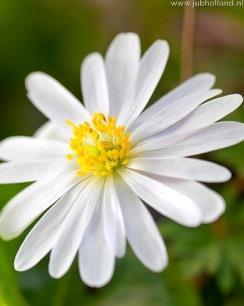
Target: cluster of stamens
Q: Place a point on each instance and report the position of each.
(100, 147)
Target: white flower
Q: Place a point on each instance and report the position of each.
(93, 165)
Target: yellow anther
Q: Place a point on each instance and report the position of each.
(69, 156)
(99, 147)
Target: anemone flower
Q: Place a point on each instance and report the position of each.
(94, 165)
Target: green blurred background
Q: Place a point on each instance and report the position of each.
(206, 264)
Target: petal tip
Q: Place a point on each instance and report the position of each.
(160, 264)
(207, 76)
(97, 283)
(228, 175)
(6, 233)
(163, 44)
(18, 265)
(215, 215)
(239, 99)
(33, 77)
(56, 274)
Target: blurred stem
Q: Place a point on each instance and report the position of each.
(187, 42)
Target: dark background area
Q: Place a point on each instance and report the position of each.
(206, 264)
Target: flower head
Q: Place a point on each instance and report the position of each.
(92, 166)
(101, 147)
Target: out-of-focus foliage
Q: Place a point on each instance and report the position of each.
(10, 294)
(213, 254)
(206, 264)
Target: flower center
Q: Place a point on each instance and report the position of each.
(99, 147)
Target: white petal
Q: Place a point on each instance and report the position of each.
(73, 228)
(53, 100)
(21, 148)
(122, 62)
(157, 143)
(165, 200)
(151, 68)
(96, 256)
(211, 204)
(205, 115)
(141, 230)
(94, 84)
(198, 83)
(185, 168)
(27, 205)
(113, 219)
(19, 172)
(217, 136)
(50, 130)
(44, 234)
(170, 114)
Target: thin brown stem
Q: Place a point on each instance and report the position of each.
(187, 42)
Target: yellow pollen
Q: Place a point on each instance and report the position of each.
(99, 147)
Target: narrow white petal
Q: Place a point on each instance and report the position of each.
(27, 205)
(50, 130)
(44, 234)
(29, 171)
(150, 71)
(217, 136)
(169, 114)
(113, 219)
(53, 100)
(198, 83)
(96, 256)
(205, 115)
(211, 204)
(165, 200)
(21, 148)
(141, 230)
(94, 84)
(185, 168)
(122, 62)
(157, 143)
(73, 228)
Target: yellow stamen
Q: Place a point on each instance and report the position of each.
(99, 147)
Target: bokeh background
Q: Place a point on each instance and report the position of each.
(206, 264)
